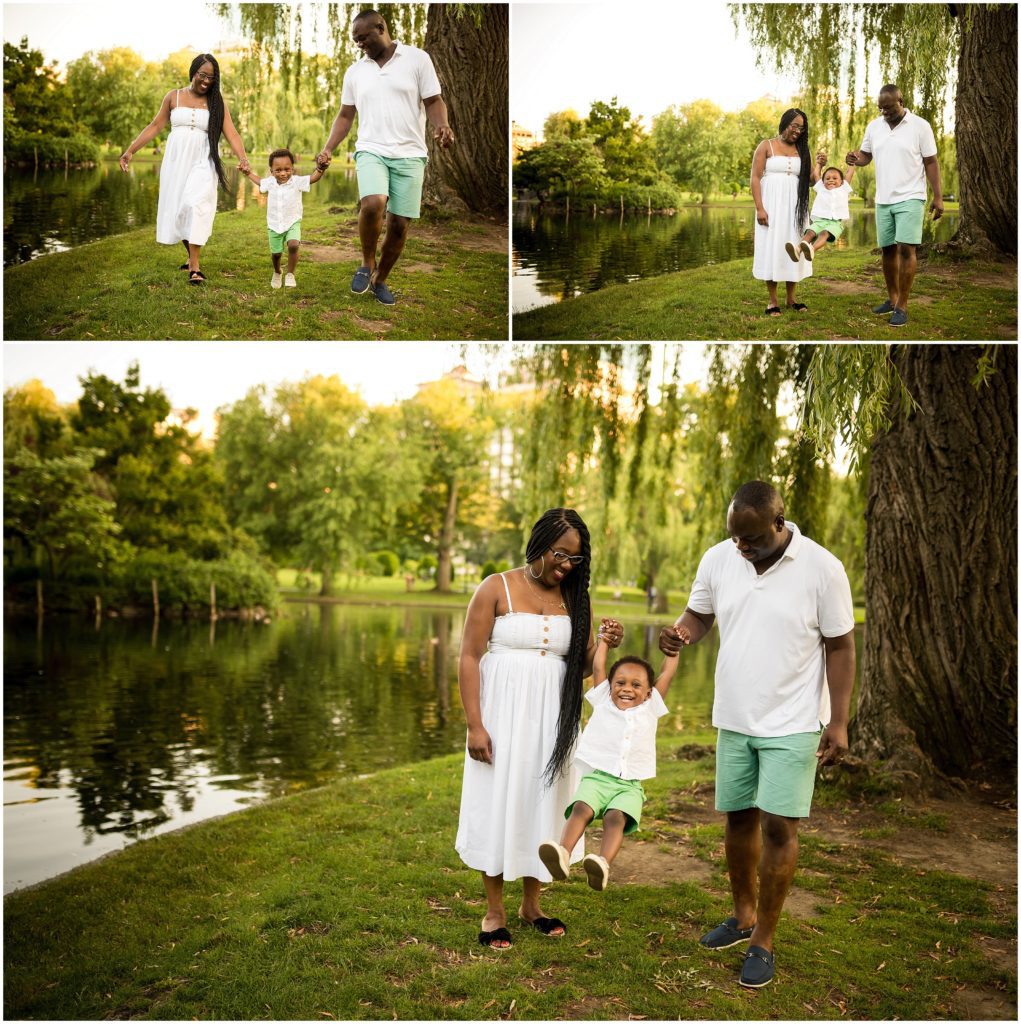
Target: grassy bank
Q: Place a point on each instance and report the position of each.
(349, 902)
(391, 590)
(451, 283)
(951, 300)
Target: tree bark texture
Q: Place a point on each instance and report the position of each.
(986, 129)
(472, 64)
(444, 547)
(939, 669)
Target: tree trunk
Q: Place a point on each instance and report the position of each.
(445, 543)
(326, 584)
(472, 64)
(986, 131)
(939, 671)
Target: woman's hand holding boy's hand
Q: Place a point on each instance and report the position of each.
(480, 745)
(611, 631)
(244, 167)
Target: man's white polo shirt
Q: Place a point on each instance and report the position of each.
(621, 743)
(897, 155)
(771, 669)
(391, 114)
(283, 205)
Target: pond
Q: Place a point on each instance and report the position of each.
(120, 732)
(53, 210)
(557, 257)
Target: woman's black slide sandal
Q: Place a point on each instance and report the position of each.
(772, 311)
(196, 277)
(547, 925)
(497, 935)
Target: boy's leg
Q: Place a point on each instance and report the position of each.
(821, 241)
(809, 235)
(614, 823)
(292, 255)
(276, 262)
(574, 828)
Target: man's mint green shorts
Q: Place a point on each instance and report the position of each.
(603, 792)
(774, 773)
(277, 239)
(899, 222)
(400, 178)
(834, 227)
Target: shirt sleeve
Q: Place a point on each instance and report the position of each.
(701, 597)
(926, 140)
(303, 182)
(599, 693)
(265, 183)
(819, 186)
(836, 609)
(428, 83)
(846, 186)
(657, 705)
(348, 96)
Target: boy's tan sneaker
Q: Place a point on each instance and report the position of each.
(289, 281)
(276, 280)
(598, 871)
(807, 251)
(556, 859)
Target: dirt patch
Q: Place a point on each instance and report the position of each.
(987, 278)
(376, 327)
(983, 1004)
(342, 253)
(418, 268)
(478, 236)
(846, 287)
(649, 864)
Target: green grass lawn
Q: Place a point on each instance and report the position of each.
(631, 603)
(450, 284)
(349, 902)
(951, 300)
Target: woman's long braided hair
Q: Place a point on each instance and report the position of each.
(805, 175)
(550, 526)
(215, 100)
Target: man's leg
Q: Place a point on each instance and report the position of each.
(743, 845)
(370, 226)
(891, 271)
(393, 246)
(776, 867)
(907, 264)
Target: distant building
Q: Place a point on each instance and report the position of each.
(522, 139)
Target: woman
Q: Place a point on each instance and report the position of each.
(522, 703)
(781, 178)
(191, 165)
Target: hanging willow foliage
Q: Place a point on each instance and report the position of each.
(823, 44)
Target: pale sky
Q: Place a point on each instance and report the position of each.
(205, 375)
(64, 31)
(650, 54)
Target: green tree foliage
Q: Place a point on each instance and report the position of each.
(562, 169)
(563, 124)
(33, 419)
(56, 506)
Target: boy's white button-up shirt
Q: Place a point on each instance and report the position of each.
(771, 668)
(391, 114)
(831, 203)
(283, 207)
(621, 743)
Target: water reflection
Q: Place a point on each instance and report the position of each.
(52, 210)
(557, 257)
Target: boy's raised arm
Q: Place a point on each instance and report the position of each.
(670, 662)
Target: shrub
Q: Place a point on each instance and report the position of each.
(21, 147)
(427, 567)
(387, 563)
(492, 566)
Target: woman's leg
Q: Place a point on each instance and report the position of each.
(771, 288)
(193, 256)
(530, 909)
(496, 916)
(791, 289)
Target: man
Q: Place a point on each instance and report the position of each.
(392, 89)
(904, 149)
(786, 627)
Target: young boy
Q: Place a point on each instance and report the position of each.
(283, 210)
(829, 210)
(619, 745)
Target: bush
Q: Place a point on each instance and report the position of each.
(21, 147)
(491, 567)
(387, 563)
(427, 567)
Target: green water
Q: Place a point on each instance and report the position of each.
(122, 732)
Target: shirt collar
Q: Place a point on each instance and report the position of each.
(795, 545)
(399, 47)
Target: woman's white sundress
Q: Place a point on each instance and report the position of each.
(779, 186)
(506, 811)
(187, 199)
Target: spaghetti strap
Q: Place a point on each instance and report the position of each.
(178, 103)
(510, 607)
(769, 142)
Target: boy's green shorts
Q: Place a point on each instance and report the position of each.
(278, 239)
(834, 227)
(603, 792)
(400, 178)
(900, 222)
(774, 773)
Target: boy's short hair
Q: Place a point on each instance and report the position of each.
(837, 169)
(281, 152)
(630, 659)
